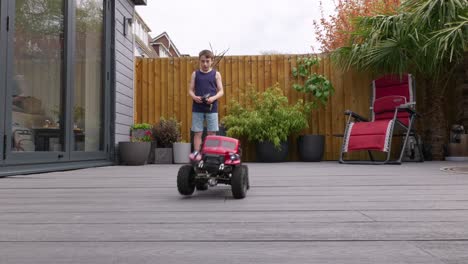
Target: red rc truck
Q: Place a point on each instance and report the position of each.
(218, 162)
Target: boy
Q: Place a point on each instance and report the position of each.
(205, 88)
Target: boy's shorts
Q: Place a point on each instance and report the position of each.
(211, 122)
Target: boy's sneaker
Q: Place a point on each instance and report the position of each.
(195, 156)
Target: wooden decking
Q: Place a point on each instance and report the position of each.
(294, 213)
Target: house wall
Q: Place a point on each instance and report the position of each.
(164, 41)
(141, 31)
(163, 52)
(124, 71)
(173, 52)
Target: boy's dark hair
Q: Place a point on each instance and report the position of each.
(207, 53)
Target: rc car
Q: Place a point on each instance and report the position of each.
(218, 162)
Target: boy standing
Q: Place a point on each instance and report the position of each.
(206, 88)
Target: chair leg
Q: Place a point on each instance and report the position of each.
(341, 160)
(407, 135)
(342, 153)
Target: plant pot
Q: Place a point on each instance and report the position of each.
(311, 147)
(266, 152)
(163, 155)
(134, 153)
(181, 152)
(151, 156)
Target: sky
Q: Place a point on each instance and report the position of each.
(244, 27)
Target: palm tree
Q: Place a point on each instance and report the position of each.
(425, 37)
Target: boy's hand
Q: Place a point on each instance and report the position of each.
(197, 99)
(210, 100)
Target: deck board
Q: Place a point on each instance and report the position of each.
(294, 213)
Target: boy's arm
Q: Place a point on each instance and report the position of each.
(195, 98)
(219, 87)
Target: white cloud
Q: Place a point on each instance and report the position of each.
(246, 27)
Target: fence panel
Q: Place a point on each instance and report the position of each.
(161, 90)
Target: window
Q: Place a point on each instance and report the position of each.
(37, 88)
(88, 108)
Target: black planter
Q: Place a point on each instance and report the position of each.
(266, 152)
(163, 156)
(311, 147)
(134, 153)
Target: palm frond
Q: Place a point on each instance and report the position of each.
(451, 40)
(434, 13)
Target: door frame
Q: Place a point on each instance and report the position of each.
(3, 50)
(105, 70)
(10, 156)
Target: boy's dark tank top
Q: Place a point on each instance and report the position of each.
(205, 83)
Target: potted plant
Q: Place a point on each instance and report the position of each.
(136, 151)
(267, 119)
(319, 89)
(166, 132)
(182, 151)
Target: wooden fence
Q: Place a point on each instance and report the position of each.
(162, 91)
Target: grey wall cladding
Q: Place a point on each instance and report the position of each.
(124, 71)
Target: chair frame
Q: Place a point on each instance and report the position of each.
(408, 131)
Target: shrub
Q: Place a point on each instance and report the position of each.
(266, 116)
(166, 132)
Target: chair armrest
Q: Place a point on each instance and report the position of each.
(408, 108)
(355, 116)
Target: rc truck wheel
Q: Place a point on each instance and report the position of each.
(238, 183)
(185, 180)
(246, 173)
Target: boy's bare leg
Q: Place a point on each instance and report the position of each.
(197, 136)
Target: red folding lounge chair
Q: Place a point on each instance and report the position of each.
(393, 108)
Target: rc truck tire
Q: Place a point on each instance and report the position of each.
(246, 173)
(238, 183)
(185, 180)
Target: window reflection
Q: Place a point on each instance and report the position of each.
(38, 73)
(88, 96)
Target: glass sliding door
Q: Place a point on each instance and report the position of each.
(35, 78)
(54, 80)
(89, 89)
